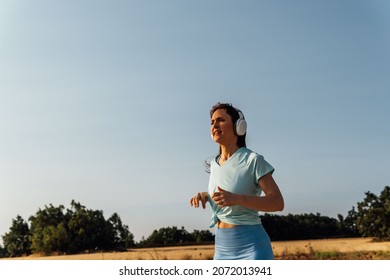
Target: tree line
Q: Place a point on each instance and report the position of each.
(174, 236)
(59, 230)
(78, 229)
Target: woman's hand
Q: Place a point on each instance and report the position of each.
(224, 198)
(199, 197)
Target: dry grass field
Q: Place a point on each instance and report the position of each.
(338, 249)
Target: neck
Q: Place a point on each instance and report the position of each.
(228, 151)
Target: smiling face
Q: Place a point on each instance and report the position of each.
(222, 128)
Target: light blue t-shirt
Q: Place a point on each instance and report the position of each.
(240, 174)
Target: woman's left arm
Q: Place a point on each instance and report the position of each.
(272, 201)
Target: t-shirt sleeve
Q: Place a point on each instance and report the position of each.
(262, 167)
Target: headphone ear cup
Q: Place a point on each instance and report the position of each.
(241, 127)
(240, 124)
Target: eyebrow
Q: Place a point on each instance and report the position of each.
(217, 119)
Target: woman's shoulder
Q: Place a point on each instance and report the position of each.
(249, 152)
(255, 160)
(249, 155)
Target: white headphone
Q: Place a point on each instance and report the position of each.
(240, 124)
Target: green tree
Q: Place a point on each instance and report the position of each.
(55, 238)
(201, 236)
(88, 229)
(48, 230)
(301, 226)
(373, 217)
(16, 241)
(78, 229)
(123, 238)
(56, 229)
(167, 236)
(3, 252)
(348, 225)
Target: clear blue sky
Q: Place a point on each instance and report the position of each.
(107, 103)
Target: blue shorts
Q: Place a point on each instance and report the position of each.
(243, 242)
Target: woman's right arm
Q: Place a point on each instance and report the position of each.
(200, 196)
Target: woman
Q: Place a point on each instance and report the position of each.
(238, 176)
